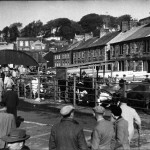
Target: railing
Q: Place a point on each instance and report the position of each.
(86, 93)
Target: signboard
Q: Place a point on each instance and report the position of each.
(61, 73)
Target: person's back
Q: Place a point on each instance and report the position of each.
(104, 133)
(130, 115)
(67, 134)
(11, 100)
(122, 134)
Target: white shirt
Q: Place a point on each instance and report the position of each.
(130, 115)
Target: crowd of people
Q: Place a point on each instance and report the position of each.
(114, 129)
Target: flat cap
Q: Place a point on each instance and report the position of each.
(99, 109)
(66, 110)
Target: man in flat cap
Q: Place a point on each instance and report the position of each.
(103, 132)
(67, 134)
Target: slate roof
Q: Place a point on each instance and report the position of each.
(124, 35)
(105, 39)
(86, 44)
(74, 45)
(27, 39)
(141, 33)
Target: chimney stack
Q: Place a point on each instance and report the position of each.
(125, 26)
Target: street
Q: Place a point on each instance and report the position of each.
(38, 125)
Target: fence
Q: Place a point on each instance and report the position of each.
(88, 92)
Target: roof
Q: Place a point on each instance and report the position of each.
(9, 46)
(26, 38)
(74, 45)
(141, 33)
(105, 39)
(123, 35)
(86, 44)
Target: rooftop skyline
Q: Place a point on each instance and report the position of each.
(28, 11)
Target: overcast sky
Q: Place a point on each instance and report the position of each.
(28, 11)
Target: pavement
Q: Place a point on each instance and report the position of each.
(55, 106)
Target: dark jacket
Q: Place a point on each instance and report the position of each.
(67, 135)
(11, 100)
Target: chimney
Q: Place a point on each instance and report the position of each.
(88, 36)
(125, 26)
(103, 32)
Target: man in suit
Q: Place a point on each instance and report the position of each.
(103, 132)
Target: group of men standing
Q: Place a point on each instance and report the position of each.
(114, 129)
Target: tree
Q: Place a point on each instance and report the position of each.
(33, 29)
(6, 34)
(14, 33)
(123, 18)
(91, 22)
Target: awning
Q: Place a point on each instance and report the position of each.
(17, 58)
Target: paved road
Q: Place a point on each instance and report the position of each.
(38, 124)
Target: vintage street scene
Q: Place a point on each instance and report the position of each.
(75, 75)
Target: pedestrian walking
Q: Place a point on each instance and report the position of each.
(103, 133)
(121, 130)
(67, 134)
(130, 115)
(16, 140)
(11, 100)
(7, 123)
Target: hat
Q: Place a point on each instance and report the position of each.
(116, 110)
(16, 135)
(66, 110)
(99, 109)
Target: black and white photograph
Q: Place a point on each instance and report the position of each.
(75, 75)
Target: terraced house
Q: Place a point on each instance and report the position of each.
(130, 51)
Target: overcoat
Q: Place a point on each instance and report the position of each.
(130, 115)
(11, 100)
(67, 135)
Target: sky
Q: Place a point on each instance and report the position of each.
(27, 11)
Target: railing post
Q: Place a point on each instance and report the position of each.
(96, 92)
(125, 89)
(66, 92)
(74, 90)
(18, 90)
(55, 90)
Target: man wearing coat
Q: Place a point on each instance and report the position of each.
(11, 100)
(121, 130)
(130, 115)
(67, 134)
(103, 133)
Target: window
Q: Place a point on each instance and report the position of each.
(26, 43)
(21, 43)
